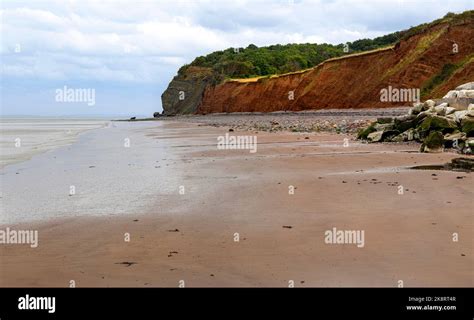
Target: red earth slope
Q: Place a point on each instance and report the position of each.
(434, 61)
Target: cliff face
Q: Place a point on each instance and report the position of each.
(185, 91)
(433, 61)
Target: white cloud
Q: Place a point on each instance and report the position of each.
(147, 41)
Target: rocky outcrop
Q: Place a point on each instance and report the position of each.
(185, 91)
(439, 124)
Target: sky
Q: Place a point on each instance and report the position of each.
(126, 52)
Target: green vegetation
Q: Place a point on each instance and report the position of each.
(363, 133)
(451, 18)
(253, 61)
(448, 70)
(423, 44)
(445, 73)
(278, 59)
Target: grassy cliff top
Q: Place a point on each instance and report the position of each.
(254, 62)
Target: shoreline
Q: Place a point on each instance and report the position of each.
(191, 236)
(34, 143)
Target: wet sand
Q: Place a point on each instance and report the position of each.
(23, 137)
(191, 236)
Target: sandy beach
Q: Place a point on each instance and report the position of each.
(172, 209)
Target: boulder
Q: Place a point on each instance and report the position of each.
(466, 86)
(466, 164)
(470, 143)
(450, 110)
(422, 115)
(417, 108)
(375, 136)
(437, 123)
(384, 120)
(408, 135)
(404, 123)
(454, 140)
(441, 109)
(363, 134)
(451, 94)
(383, 126)
(455, 136)
(433, 143)
(465, 94)
(459, 115)
(457, 103)
(445, 122)
(467, 126)
(428, 104)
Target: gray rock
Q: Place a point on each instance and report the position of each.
(433, 143)
(456, 103)
(470, 143)
(184, 93)
(383, 126)
(428, 104)
(375, 136)
(466, 94)
(417, 108)
(466, 86)
(455, 136)
(441, 109)
(451, 94)
(459, 115)
(408, 135)
(450, 110)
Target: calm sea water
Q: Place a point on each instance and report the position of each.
(22, 138)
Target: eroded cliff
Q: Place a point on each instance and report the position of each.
(433, 61)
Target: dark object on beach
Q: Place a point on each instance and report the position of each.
(287, 227)
(136, 220)
(127, 263)
(306, 138)
(171, 253)
(157, 115)
(462, 164)
(231, 130)
(457, 164)
(133, 118)
(175, 230)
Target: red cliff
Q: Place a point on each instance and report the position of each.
(432, 61)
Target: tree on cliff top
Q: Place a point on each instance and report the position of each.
(277, 59)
